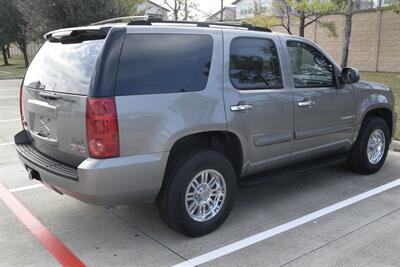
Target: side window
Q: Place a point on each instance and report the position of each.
(164, 63)
(310, 68)
(254, 64)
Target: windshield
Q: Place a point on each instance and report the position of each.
(65, 68)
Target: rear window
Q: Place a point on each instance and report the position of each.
(161, 63)
(65, 68)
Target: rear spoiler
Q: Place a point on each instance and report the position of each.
(76, 35)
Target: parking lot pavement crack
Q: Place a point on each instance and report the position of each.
(148, 236)
(339, 238)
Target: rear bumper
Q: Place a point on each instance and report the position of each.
(107, 182)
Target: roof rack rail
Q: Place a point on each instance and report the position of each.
(123, 19)
(150, 20)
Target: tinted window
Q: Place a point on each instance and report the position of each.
(309, 67)
(65, 68)
(254, 64)
(161, 63)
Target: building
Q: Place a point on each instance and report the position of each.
(248, 8)
(150, 8)
(228, 12)
(368, 4)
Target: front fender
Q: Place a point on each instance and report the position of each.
(371, 96)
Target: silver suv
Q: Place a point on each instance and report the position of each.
(183, 113)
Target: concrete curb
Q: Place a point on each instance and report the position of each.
(395, 146)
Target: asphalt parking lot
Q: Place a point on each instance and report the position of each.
(327, 217)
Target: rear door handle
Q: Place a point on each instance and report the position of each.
(49, 95)
(306, 103)
(241, 107)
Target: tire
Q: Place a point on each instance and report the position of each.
(359, 160)
(175, 197)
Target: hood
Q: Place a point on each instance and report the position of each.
(371, 86)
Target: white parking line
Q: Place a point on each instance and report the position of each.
(25, 188)
(6, 144)
(212, 255)
(10, 107)
(6, 97)
(10, 120)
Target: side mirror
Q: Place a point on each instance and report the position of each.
(350, 75)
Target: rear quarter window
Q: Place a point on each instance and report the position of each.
(164, 63)
(65, 68)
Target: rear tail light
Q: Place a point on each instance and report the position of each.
(102, 127)
(21, 112)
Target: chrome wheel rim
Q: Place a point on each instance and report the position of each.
(205, 195)
(376, 146)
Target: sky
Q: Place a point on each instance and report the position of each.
(208, 6)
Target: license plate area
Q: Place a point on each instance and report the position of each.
(43, 121)
(44, 127)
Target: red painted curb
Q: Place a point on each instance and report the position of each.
(63, 255)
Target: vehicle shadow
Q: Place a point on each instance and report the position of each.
(265, 206)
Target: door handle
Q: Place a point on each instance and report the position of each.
(241, 107)
(49, 95)
(305, 103)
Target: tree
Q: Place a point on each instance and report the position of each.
(12, 29)
(306, 12)
(4, 54)
(132, 6)
(46, 15)
(395, 6)
(257, 7)
(176, 7)
(259, 19)
(6, 29)
(262, 21)
(22, 43)
(222, 11)
(186, 11)
(4, 41)
(179, 6)
(347, 32)
(8, 50)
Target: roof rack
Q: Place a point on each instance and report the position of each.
(122, 19)
(150, 20)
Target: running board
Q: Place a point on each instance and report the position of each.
(292, 170)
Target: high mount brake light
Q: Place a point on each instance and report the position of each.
(102, 127)
(75, 36)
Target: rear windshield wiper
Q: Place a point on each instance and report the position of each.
(36, 85)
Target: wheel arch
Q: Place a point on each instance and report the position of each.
(224, 142)
(381, 111)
